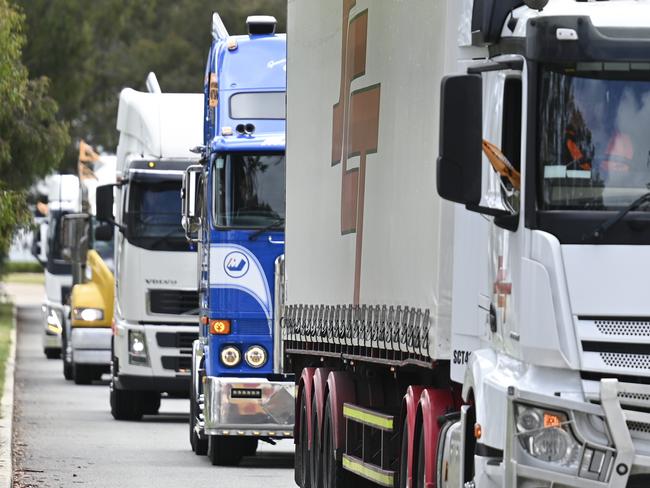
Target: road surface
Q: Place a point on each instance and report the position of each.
(64, 435)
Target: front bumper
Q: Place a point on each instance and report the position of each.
(625, 460)
(248, 406)
(91, 345)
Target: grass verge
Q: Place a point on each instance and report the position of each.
(25, 278)
(6, 324)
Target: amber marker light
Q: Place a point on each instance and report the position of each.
(204, 320)
(219, 327)
(551, 420)
(478, 431)
(151, 164)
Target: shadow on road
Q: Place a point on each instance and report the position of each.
(166, 418)
(269, 460)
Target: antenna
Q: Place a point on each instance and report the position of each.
(219, 31)
(152, 83)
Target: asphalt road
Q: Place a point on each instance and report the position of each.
(64, 435)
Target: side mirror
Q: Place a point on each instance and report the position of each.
(103, 232)
(104, 203)
(191, 198)
(461, 136)
(39, 243)
(74, 243)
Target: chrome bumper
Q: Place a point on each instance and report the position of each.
(248, 406)
(623, 460)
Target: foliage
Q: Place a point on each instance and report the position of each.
(90, 54)
(6, 324)
(31, 139)
(23, 267)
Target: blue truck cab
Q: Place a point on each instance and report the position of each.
(234, 209)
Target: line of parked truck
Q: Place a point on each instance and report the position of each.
(460, 302)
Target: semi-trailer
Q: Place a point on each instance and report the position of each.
(234, 210)
(467, 241)
(156, 300)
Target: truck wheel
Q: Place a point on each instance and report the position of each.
(83, 375)
(334, 476)
(125, 404)
(199, 444)
(418, 477)
(67, 357)
(52, 353)
(225, 451)
(150, 402)
(67, 370)
(250, 447)
(315, 470)
(404, 455)
(301, 466)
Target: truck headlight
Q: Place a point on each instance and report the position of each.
(138, 348)
(547, 436)
(255, 356)
(87, 314)
(230, 356)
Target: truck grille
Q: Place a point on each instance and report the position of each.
(177, 363)
(174, 302)
(182, 340)
(623, 327)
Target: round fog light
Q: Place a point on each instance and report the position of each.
(552, 445)
(230, 356)
(255, 356)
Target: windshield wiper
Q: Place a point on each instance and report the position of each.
(603, 227)
(273, 225)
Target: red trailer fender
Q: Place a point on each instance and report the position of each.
(410, 412)
(433, 404)
(340, 386)
(304, 385)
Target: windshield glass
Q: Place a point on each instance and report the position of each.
(594, 145)
(54, 235)
(248, 190)
(154, 214)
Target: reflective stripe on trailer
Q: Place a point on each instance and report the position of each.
(368, 417)
(368, 471)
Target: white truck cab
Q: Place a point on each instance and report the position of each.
(156, 300)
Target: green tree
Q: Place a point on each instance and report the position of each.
(90, 54)
(31, 139)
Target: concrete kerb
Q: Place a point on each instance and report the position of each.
(7, 413)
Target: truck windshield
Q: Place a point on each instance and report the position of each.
(248, 190)
(154, 214)
(594, 144)
(54, 236)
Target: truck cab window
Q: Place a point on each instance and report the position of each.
(248, 190)
(511, 135)
(154, 214)
(594, 147)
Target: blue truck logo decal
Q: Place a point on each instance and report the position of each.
(242, 271)
(235, 265)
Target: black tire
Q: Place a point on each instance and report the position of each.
(225, 451)
(52, 353)
(404, 455)
(125, 404)
(199, 444)
(418, 475)
(67, 371)
(150, 402)
(83, 374)
(301, 465)
(250, 447)
(315, 468)
(334, 476)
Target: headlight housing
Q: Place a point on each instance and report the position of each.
(230, 356)
(547, 436)
(138, 348)
(87, 314)
(256, 356)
